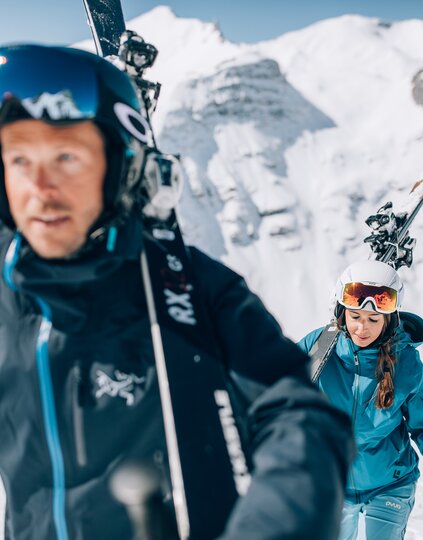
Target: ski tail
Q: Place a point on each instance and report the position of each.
(390, 241)
(105, 19)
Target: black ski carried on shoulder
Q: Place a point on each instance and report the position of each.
(322, 349)
(105, 18)
(208, 467)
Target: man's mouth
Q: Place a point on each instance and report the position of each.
(50, 221)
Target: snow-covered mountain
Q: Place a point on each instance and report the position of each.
(288, 145)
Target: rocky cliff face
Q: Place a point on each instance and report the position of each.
(232, 129)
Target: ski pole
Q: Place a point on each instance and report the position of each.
(175, 466)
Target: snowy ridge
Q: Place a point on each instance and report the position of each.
(288, 146)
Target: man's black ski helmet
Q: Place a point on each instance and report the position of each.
(62, 86)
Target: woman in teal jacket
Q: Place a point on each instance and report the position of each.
(375, 375)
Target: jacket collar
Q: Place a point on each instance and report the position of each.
(347, 350)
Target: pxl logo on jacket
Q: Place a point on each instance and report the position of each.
(393, 505)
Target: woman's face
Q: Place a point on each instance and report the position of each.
(363, 326)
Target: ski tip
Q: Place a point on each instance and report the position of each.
(417, 189)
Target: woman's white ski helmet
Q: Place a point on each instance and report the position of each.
(369, 285)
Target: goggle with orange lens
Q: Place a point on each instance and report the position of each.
(355, 295)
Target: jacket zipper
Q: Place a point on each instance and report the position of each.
(354, 410)
(78, 419)
(47, 395)
(356, 387)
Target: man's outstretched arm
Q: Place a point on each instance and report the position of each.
(301, 450)
(300, 445)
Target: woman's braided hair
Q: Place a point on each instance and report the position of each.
(385, 369)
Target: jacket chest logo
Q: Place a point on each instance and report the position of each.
(122, 386)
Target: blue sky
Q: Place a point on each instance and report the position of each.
(63, 21)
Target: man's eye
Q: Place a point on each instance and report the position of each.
(66, 157)
(19, 160)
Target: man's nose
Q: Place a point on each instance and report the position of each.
(43, 179)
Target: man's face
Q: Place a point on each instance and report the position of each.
(54, 180)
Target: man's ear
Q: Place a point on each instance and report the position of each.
(5, 215)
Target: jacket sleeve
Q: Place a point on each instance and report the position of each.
(413, 409)
(300, 446)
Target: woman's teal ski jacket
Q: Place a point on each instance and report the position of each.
(385, 454)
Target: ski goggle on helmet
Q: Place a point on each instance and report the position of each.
(371, 286)
(62, 86)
